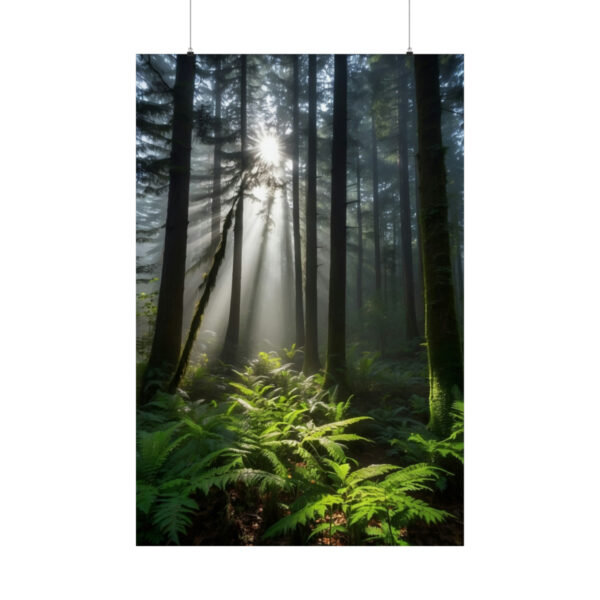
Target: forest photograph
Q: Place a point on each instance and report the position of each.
(299, 300)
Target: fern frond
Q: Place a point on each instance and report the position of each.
(309, 511)
(243, 388)
(145, 496)
(333, 449)
(277, 465)
(154, 449)
(369, 472)
(173, 514)
(244, 403)
(199, 430)
(319, 529)
(210, 457)
(174, 484)
(263, 480)
(308, 458)
(416, 508)
(384, 533)
(414, 477)
(341, 471)
(319, 431)
(291, 417)
(375, 532)
(348, 437)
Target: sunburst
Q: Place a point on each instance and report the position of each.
(268, 149)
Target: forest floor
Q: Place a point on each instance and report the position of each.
(392, 394)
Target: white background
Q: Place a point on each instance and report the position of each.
(67, 303)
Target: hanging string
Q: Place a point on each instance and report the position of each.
(409, 51)
(190, 51)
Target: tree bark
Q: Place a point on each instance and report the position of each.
(379, 297)
(232, 337)
(419, 261)
(296, 210)
(457, 256)
(441, 327)
(405, 228)
(287, 272)
(216, 194)
(336, 341)
(311, 345)
(360, 236)
(166, 344)
(376, 228)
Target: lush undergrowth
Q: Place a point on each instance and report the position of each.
(267, 456)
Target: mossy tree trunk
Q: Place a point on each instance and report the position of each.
(166, 343)
(311, 345)
(296, 209)
(207, 286)
(232, 337)
(419, 261)
(336, 340)
(441, 327)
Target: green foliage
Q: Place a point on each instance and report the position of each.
(419, 406)
(276, 433)
(372, 509)
(292, 351)
(369, 374)
(265, 364)
(452, 446)
(173, 514)
(393, 420)
(201, 383)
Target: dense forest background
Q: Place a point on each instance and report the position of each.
(300, 249)
(381, 107)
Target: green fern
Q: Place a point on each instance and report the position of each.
(173, 514)
(153, 450)
(368, 473)
(145, 497)
(451, 446)
(313, 508)
(318, 432)
(282, 436)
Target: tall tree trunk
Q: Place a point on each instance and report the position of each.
(360, 236)
(376, 228)
(287, 272)
(377, 234)
(441, 328)
(405, 228)
(420, 297)
(459, 271)
(166, 344)
(336, 340)
(216, 193)
(232, 337)
(419, 277)
(296, 211)
(311, 345)
(455, 239)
